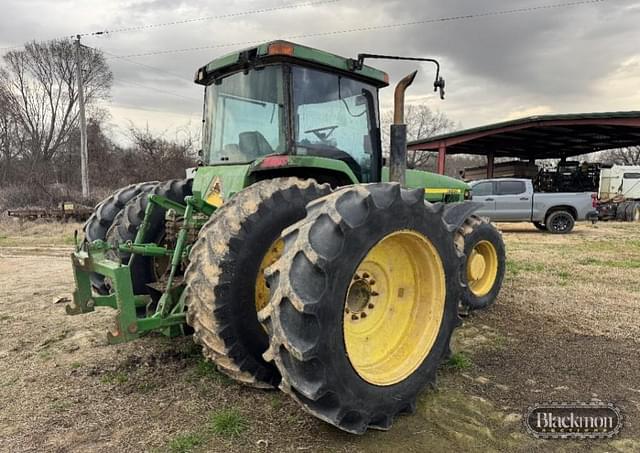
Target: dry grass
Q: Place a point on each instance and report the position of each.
(564, 327)
(590, 279)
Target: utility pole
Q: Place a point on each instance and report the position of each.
(84, 155)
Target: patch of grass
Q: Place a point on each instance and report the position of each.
(146, 387)
(459, 361)
(45, 355)
(499, 341)
(191, 350)
(69, 239)
(517, 267)
(626, 264)
(115, 377)
(228, 423)
(563, 277)
(75, 365)
(276, 401)
(61, 406)
(185, 443)
(207, 369)
(4, 317)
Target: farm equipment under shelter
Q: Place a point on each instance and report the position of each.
(294, 255)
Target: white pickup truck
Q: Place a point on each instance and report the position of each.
(513, 200)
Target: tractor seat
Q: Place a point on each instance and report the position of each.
(253, 145)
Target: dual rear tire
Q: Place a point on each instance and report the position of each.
(331, 333)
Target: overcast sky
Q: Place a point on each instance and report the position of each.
(558, 60)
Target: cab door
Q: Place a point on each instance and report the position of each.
(482, 192)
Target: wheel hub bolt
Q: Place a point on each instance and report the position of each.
(371, 305)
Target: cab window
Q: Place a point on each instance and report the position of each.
(482, 189)
(511, 187)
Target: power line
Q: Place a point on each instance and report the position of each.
(192, 20)
(159, 90)
(209, 18)
(376, 27)
(137, 63)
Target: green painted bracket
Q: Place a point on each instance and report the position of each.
(90, 258)
(128, 326)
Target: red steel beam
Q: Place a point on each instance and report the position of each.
(433, 146)
(442, 158)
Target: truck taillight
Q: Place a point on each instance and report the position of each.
(594, 200)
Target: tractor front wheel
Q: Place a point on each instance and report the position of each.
(225, 284)
(103, 217)
(363, 304)
(144, 269)
(485, 266)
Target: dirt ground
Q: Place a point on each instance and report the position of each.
(565, 328)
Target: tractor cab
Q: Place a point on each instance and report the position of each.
(283, 99)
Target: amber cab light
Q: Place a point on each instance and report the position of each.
(280, 48)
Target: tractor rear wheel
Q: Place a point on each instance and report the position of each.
(363, 304)
(103, 216)
(144, 269)
(485, 266)
(225, 278)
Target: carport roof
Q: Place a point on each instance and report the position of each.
(542, 137)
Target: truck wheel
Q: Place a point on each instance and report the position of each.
(225, 284)
(635, 213)
(628, 212)
(621, 211)
(145, 269)
(539, 225)
(102, 218)
(485, 262)
(363, 304)
(560, 222)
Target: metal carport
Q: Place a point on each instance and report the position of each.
(538, 137)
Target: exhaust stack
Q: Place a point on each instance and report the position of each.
(398, 135)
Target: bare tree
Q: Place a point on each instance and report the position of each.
(422, 122)
(40, 91)
(623, 156)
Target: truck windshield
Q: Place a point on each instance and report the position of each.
(244, 116)
(332, 118)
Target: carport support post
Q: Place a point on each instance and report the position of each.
(490, 164)
(442, 157)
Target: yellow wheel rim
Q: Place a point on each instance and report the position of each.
(262, 290)
(482, 268)
(394, 307)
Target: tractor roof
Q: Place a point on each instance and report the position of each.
(285, 50)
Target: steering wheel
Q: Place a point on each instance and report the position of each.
(318, 132)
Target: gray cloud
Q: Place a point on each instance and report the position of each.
(545, 61)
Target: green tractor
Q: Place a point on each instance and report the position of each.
(293, 255)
